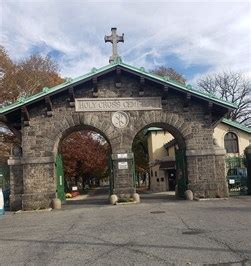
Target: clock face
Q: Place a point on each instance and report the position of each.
(120, 119)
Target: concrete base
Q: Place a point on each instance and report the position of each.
(37, 201)
(16, 202)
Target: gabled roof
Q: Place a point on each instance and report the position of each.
(98, 72)
(236, 125)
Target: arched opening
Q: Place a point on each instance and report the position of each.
(10, 146)
(160, 162)
(82, 166)
(231, 143)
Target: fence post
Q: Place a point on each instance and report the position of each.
(247, 152)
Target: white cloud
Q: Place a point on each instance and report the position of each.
(216, 34)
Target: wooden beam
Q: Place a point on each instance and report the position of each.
(142, 86)
(71, 96)
(118, 77)
(164, 101)
(95, 87)
(3, 118)
(166, 89)
(209, 108)
(208, 112)
(25, 116)
(48, 104)
(187, 102)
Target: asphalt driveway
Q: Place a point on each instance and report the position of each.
(158, 231)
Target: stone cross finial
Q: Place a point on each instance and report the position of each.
(114, 39)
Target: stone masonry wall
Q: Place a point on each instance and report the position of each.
(42, 138)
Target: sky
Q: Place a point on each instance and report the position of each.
(194, 37)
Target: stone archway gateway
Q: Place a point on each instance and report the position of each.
(118, 100)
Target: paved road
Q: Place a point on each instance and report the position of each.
(159, 231)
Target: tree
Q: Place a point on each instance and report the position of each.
(170, 72)
(35, 73)
(85, 155)
(140, 150)
(233, 87)
(7, 78)
(27, 76)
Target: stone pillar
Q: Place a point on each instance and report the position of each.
(206, 173)
(39, 184)
(123, 175)
(247, 152)
(16, 183)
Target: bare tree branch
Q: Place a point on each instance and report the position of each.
(232, 87)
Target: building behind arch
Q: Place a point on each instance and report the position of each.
(230, 135)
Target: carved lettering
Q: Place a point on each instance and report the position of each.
(117, 104)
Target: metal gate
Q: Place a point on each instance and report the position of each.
(5, 184)
(181, 173)
(60, 177)
(236, 175)
(237, 181)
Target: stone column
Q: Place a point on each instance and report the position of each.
(206, 172)
(16, 183)
(39, 184)
(123, 179)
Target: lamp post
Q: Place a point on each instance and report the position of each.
(247, 152)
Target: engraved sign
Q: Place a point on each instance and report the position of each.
(117, 104)
(122, 165)
(122, 155)
(120, 119)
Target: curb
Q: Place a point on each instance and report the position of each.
(210, 199)
(44, 210)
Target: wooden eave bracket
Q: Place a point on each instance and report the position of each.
(142, 86)
(3, 118)
(208, 113)
(118, 77)
(166, 89)
(164, 97)
(187, 102)
(25, 116)
(209, 108)
(48, 104)
(95, 87)
(71, 97)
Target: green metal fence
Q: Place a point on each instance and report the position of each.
(4, 176)
(5, 184)
(236, 175)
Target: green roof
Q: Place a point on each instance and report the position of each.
(152, 129)
(118, 63)
(224, 120)
(236, 125)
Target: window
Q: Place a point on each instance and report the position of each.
(231, 143)
(156, 173)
